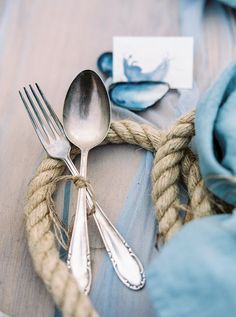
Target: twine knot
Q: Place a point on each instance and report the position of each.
(80, 182)
(62, 232)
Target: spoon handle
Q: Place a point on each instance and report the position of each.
(126, 264)
(78, 259)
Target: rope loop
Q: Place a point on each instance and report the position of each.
(174, 162)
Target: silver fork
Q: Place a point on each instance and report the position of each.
(52, 136)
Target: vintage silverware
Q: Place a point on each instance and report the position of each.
(86, 121)
(51, 134)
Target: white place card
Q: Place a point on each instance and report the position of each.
(168, 59)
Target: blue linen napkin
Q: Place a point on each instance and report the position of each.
(231, 3)
(195, 273)
(216, 136)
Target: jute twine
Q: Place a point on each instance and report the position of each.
(173, 162)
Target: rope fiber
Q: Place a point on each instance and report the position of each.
(174, 162)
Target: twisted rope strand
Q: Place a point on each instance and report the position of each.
(165, 180)
(173, 161)
(200, 204)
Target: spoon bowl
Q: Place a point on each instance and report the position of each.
(86, 115)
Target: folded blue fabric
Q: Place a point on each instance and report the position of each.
(195, 273)
(216, 136)
(231, 3)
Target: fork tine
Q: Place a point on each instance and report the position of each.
(51, 111)
(32, 119)
(42, 125)
(46, 116)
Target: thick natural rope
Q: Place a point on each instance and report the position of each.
(200, 204)
(173, 161)
(166, 175)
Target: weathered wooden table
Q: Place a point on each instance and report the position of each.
(50, 42)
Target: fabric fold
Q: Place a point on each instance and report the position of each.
(216, 136)
(195, 273)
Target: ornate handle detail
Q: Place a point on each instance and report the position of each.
(126, 264)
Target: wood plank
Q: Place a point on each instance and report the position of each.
(50, 42)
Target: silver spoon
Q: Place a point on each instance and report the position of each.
(86, 119)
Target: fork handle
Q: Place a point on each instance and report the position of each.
(126, 264)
